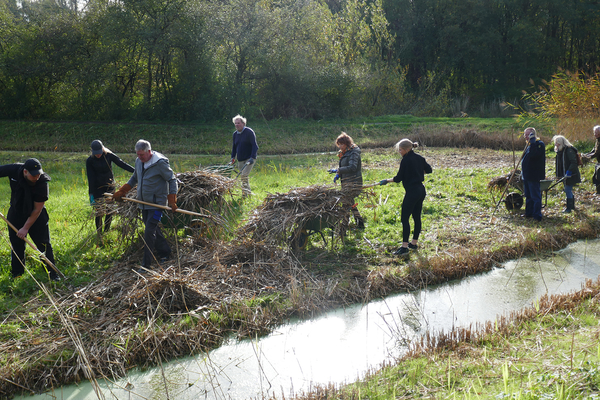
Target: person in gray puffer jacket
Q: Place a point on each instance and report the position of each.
(156, 184)
(350, 173)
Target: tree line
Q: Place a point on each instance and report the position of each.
(206, 60)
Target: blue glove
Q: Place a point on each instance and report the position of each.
(250, 161)
(568, 174)
(92, 200)
(383, 182)
(332, 171)
(337, 176)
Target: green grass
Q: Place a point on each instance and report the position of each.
(555, 356)
(452, 195)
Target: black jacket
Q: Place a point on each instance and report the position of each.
(100, 175)
(23, 195)
(413, 168)
(566, 160)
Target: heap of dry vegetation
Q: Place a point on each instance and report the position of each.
(214, 287)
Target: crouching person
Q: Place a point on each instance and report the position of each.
(156, 184)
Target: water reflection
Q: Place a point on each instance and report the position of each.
(341, 345)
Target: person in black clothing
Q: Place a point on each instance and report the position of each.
(101, 180)
(595, 153)
(29, 193)
(533, 170)
(411, 173)
(350, 173)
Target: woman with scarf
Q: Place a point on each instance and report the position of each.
(411, 173)
(566, 166)
(350, 173)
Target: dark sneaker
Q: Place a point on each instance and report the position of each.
(54, 276)
(413, 246)
(401, 251)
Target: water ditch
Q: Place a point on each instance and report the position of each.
(341, 345)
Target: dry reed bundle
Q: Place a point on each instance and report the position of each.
(501, 181)
(210, 277)
(200, 191)
(282, 216)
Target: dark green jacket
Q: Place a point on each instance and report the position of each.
(566, 160)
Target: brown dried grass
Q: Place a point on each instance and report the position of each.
(282, 216)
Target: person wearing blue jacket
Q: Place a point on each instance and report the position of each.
(411, 173)
(244, 149)
(533, 170)
(157, 184)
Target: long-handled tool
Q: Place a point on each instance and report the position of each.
(242, 170)
(179, 210)
(42, 255)
(557, 182)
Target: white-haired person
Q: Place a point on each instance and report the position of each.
(566, 166)
(244, 149)
(595, 153)
(411, 173)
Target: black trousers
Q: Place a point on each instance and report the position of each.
(39, 233)
(412, 205)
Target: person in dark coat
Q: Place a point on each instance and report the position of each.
(411, 173)
(595, 153)
(27, 212)
(101, 180)
(566, 166)
(349, 171)
(533, 170)
(244, 148)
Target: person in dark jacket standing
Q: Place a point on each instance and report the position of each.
(101, 180)
(244, 149)
(533, 170)
(349, 171)
(411, 173)
(27, 212)
(566, 166)
(595, 153)
(156, 183)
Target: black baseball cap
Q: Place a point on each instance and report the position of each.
(97, 147)
(33, 166)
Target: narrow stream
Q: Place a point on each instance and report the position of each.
(342, 345)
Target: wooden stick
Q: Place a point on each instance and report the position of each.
(179, 210)
(50, 263)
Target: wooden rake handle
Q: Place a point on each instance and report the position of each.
(179, 210)
(46, 260)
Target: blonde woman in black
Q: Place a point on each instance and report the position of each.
(411, 173)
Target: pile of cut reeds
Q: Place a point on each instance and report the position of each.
(500, 182)
(128, 319)
(282, 216)
(200, 191)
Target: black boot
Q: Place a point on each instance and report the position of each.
(570, 205)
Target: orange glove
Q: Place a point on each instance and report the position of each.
(172, 200)
(118, 196)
